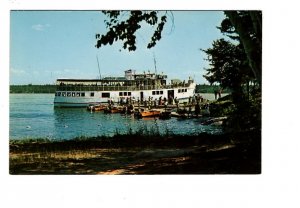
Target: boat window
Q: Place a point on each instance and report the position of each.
(82, 94)
(64, 94)
(185, 90)
(120, 93)
(59, 94)
(179, 90)
(77, 94)
(68, 94)
(125, 93)
(73, 94)
(106, 95)
(129, 93)
(153, 92)
(161, 92)
(92, 94)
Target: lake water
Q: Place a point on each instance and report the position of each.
(34, 116)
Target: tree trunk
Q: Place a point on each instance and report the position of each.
(252, 48)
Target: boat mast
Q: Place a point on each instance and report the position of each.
(98, 67)
(154, 63)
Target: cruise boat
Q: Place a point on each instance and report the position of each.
(134, 87)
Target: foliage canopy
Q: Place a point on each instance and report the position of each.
(231, 64)
(236, 63)
(123, 25)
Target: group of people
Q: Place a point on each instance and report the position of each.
(195, 99)
(192, 107)
(192, 100)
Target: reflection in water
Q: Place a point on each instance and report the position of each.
(84, 123)
(33, 116)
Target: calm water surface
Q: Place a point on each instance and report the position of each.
(33, 116)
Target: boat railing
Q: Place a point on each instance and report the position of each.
(115, 87)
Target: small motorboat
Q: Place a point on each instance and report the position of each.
(127, 109)
(150, 113)
(96, 107)
(114, 109)
(214, 121)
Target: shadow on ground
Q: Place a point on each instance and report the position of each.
(179, 155)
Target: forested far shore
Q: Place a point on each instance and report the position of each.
(48, 88)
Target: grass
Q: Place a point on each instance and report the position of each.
(139, 154)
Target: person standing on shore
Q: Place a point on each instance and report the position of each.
(219, 92)
(197, 109)
(216, 93)
(190, 111)
(176, 103)
(193, 99)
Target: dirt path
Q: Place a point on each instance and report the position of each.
(191, 160)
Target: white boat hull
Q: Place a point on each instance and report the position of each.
(85, 98)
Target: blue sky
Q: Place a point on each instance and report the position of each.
(46, 45)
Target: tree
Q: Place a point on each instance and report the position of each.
(123, 25)
(227, 65)
(248, 26)
(235, 63)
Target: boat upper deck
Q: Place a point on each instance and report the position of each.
(131, 82)
(78, 87)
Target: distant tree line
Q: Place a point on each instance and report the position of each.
(32, 88)
(201, 88)
(205, 88)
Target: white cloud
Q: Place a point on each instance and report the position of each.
(17, 71)
(71, 73)
(36, 73)
(40, 27)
